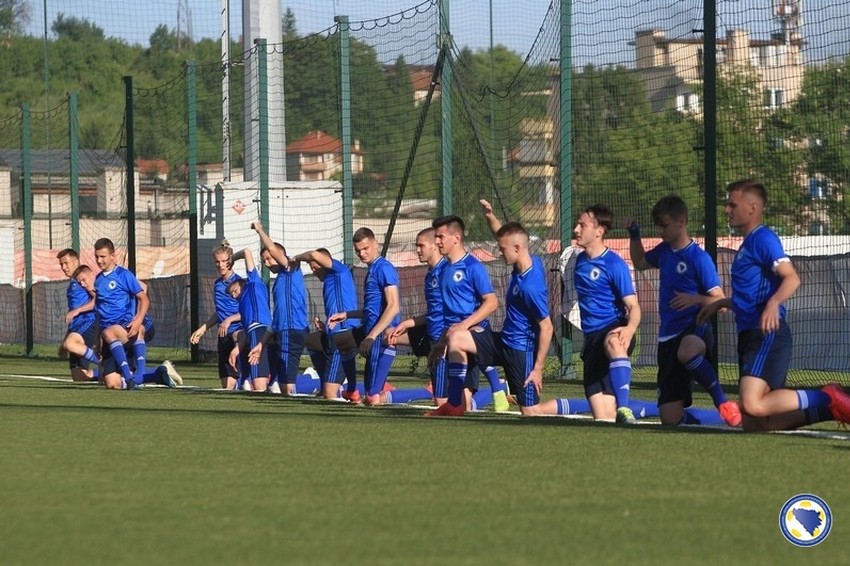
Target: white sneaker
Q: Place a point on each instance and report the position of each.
(246, 385)
(275, 388)
(172, 373)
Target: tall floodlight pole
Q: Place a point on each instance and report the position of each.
(226, 136)
(261, 19)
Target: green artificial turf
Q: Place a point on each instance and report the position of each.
(195, 476)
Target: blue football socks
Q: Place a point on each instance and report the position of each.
(705, 375)
(620, 374)
(457, 376)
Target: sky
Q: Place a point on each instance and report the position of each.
(602, 29)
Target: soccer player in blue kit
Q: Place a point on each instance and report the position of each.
(289, 317)
(380, 311)
(610, 316)
(81, 319)
(468, 299)
(121, 305)
(688, 280)
(109, 368)
(422, 332)
(333, 350)
(255, 367)
(763, 278)
(523, 343)
(226, 315)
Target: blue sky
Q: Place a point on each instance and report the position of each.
(602, 28)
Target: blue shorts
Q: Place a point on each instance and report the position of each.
(291, 344)
(675, 381)
(766, 356)
(595, 375)
(89, 335)
(517, 364)
(108, 364)
(150, 333)
(262, 369)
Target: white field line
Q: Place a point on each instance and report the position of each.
(825, 434)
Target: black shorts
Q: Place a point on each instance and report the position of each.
(420, 342)
(595, 375)
(517, 364)
(675, 381)
(224, 347)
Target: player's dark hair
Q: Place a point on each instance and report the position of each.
(427, 233)
(68, 252)
(452, 222)
(671, 206)
(236, 283)
(362, 234)
(82, 268)
(511, 228)
(104, 243)
(325, 251)
(748, 186)
(278, 246)
(603, 214)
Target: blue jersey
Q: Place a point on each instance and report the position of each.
(77, 297)
(688, 270)
(340, 294)
(290, 301)
(380, 275)
(225, 305)
(435, 322)
(526, 302)
(115, 296)
(601, 285)
(463, 285)
(754, 278)
(254, 302)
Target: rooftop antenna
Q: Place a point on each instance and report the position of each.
(789, 14)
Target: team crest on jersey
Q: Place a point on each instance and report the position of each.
(434, 283)
(112, 285)
(595, 273)
(681, 267)
(516, 290)
(457, 276)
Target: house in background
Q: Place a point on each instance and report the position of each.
(671, 68)
(317, 156)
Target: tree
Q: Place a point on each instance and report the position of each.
(14, 17)
(163, 39)
(290, 31)
(752, 142)
(76, 29)
(821, 117)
